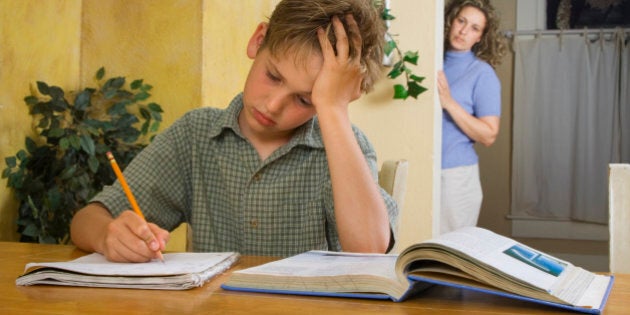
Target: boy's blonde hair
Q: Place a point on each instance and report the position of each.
(293, 27)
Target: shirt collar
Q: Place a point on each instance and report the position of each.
(460, 55)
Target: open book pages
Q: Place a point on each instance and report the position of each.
(503, 263)
(179, 271)
(321, 272)
(470, 258)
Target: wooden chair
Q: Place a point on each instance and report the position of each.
(619, 217)
(180, 239)
(392, 177)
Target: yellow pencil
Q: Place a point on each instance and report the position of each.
(130, 197)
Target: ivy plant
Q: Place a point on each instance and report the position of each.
(403, 65)
(64, 166)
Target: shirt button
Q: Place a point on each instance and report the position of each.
(253, 223)
(257, 177)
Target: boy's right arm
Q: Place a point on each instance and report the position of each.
(128, 238)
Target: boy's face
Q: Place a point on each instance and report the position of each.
(277, 93)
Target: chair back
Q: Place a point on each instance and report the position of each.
(393, 179)
(619, 217)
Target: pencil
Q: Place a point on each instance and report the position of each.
(130, 197)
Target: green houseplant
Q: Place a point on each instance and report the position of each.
(62, 168)
(403, 64)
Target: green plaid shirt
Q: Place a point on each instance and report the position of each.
(201, 170)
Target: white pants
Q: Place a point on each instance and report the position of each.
(461, 197)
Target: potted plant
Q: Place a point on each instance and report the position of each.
(62, 168)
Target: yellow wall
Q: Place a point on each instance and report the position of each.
(39, 41)
(405, 129)
(228, 26)
(193, 53)
(158, 41)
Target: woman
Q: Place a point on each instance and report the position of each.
(470, 95)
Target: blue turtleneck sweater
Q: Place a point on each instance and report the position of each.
(476, 87)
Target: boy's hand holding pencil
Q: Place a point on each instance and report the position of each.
(146, 235)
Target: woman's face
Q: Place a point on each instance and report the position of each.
(466, 29)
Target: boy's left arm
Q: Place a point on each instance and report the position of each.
(360, 211)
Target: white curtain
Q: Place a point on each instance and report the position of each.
(570, 120)
(624, 108)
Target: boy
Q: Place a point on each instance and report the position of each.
(281, 170)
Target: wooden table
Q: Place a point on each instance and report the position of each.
(211, 299)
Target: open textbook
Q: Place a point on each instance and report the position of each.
(179, 271)
(469, 258)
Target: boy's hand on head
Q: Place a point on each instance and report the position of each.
(129, 238)
(339, 80)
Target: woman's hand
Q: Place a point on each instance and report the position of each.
(480, 129)
(444, 91)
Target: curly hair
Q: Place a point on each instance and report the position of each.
(492, 46)
(293, 27)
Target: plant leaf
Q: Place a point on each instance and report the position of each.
(100, 73)
(118, 109)
(68, 172)
(389, 47)
(82, 101)
(126, 120)
(136, 84)
(56, 133)
(64, 144)
(146, 87)
(115, 83)
(31, 146)
(414, 89)
(87, 144)
(11, 161)
(16, 180)
(141, 96)
(400, 92)
(43, 88)
(396, 71)
(6, 173)
(145, 113)
(21, 155)
(56, 92)
(93, 163)
(155, 107)
(145, 127)
(31, 230)
(54, 198)
(416, 78)
(411, 57)
(156, 116)
(387, 16)
(31, 100)
(154, 127)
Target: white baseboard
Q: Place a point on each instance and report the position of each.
(558, 229)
